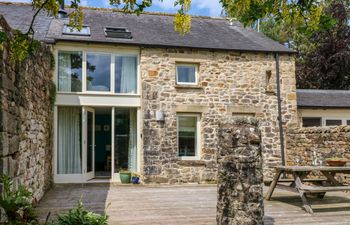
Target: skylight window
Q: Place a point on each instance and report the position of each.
(85, 31)
(117, 32)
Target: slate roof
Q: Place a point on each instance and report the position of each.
(154, 30)
(307, 98)
(19, 17)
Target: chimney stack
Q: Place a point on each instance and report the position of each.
(61, 12)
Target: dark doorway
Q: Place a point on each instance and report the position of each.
(103, 142)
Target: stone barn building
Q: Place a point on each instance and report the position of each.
(133, 94)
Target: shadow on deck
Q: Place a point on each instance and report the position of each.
(184, 205)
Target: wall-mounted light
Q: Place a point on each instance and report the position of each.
(160, 116)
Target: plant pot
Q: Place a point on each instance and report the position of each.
(135, 180)
(336, 162)
(125, 177)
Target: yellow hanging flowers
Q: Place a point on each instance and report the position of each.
(182, 23)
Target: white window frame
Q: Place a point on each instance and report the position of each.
(111, 71)
(113, 52)
(198, 136)
(137, 72)
(57, 78)
(68, 30)
(196, 66)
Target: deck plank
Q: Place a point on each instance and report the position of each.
(186, 205)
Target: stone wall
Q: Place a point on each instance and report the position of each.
(310, 145)
(230, 83)
(240, 181)
(26, 118)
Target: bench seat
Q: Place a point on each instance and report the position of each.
(286, 180)
(320, 189)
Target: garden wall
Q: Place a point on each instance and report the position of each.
(26, 117)
(305, 146)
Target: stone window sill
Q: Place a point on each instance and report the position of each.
(191, 163)
(188, 86)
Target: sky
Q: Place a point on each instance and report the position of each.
(198, 7)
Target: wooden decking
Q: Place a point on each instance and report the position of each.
(185, 205)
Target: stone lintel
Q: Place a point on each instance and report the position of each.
(244, 110)
(191, 108)
(186, 58)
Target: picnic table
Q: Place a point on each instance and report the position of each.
(299, 181)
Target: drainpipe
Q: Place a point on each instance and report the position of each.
(279, 104)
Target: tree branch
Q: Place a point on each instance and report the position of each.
(31, 30)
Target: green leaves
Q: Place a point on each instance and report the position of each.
(182, 21)
(16, 205)
(50, 6)
(327, 65)
(20, 46)
(283, 12)
(80, 215)
(3, 38)
(76, 19)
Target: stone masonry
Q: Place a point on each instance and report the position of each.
(312, 145)
(230, 83)
(240, 179)
(26, 118)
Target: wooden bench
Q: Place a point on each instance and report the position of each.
(297, 184)
(287, 180)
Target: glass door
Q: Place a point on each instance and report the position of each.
(90, 143)
(125, 139)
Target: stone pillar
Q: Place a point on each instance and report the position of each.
(240, 174)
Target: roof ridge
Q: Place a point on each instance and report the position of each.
(120, 10)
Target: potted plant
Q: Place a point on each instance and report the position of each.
(336, 161)
(125, 176)
(135, 178)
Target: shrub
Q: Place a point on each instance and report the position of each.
(16, 205)
(80, 215)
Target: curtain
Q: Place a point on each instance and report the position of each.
(64, 71)
(132, 151)
(128, 75)
(186, 74)
(69, 146)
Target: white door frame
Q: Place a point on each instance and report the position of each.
(88, 175)
(84, 177)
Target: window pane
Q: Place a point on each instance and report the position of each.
(98, 72)
(126, 74)
(70, 71)
(311, 122)
(186, 74)
(85, 31)
(333, 122)
(69, 140)
(187, 131)
(125, 140)
(348, 122)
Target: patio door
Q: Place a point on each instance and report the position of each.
(89, 150)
